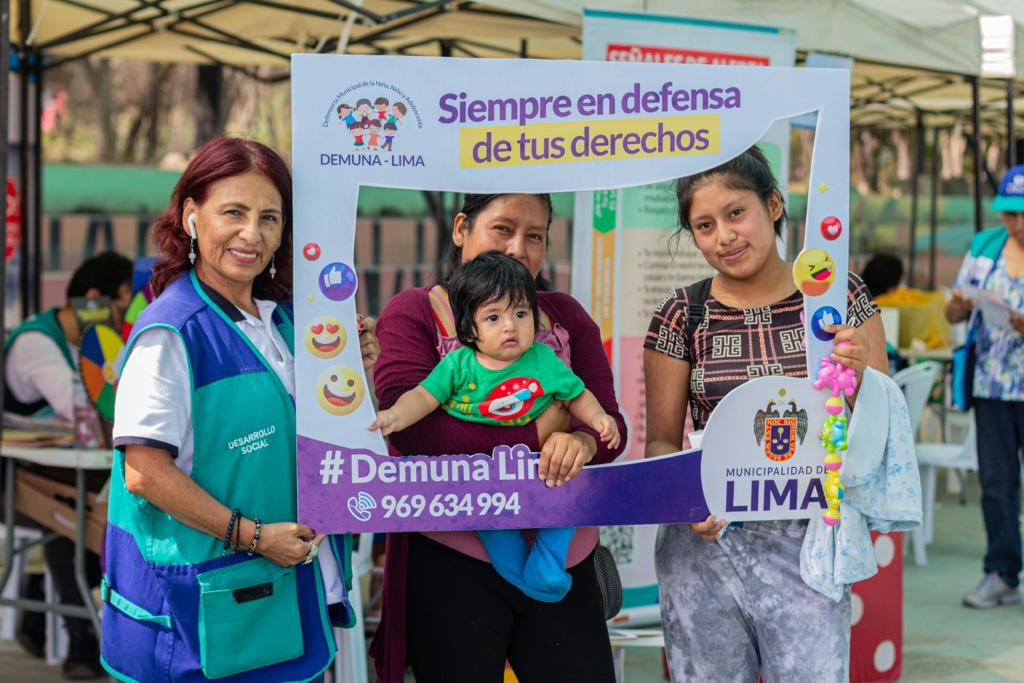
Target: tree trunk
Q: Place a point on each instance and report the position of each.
(99, 74)
(155, 106)
(209, 114)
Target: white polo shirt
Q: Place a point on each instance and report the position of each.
(36, 370)
(154, 404)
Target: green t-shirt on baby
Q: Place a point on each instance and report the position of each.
(514, 395)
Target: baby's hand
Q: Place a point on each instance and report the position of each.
(607, 429)
(386, 422)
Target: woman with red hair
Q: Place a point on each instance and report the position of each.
(208, 574)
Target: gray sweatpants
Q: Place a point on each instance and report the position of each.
(736, 608)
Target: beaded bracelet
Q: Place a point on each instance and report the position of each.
(235, 514)
(255, 536)
(238, 536)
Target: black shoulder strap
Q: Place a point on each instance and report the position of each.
(696, 297)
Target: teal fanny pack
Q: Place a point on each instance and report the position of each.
(248, 617)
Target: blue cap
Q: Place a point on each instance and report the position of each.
(1010, 196)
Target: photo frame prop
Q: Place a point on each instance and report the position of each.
(540, 126)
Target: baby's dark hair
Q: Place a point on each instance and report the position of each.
(491, 276)
(749, 171)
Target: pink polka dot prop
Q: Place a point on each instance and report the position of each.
(856, 609)
(831, 228)
(885, 656)
(876, 615)
(884, 550)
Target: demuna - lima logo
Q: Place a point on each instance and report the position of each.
(372, 120)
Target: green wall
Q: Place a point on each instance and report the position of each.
(879, 222)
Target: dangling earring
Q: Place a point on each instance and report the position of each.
(273, 268)
(192, 239)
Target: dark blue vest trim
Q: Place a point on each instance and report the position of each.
(279, 317)
(216, 348)
(122, 443)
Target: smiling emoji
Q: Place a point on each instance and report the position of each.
(339, 390)
(325, 337)
(813, 272)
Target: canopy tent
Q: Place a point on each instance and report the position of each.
(937, 35)
(913, 56)
(918, 63)
(252, 32)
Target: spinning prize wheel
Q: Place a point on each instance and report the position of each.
(101, 346)
(142, 298)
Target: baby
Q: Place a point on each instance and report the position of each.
(502, 376)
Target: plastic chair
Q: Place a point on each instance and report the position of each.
(961, 456)
(917, 382)
(8, 615)
(56, 648)
(350, 663)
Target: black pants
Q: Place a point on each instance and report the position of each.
(1000, 439)
(463, 621)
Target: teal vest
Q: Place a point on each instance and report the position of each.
(176, 608)
(46, 323)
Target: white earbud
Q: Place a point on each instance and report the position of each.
(192, 226)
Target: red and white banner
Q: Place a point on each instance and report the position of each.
(622, 52)
(12, 237)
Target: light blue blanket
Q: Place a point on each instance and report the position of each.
(883, 490)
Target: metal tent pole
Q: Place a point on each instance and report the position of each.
(976, 151)
(915, 176)
(1011, 136)
(35, 126)
(5, 47)
(24, 28)
(933, 220)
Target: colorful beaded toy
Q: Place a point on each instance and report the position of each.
(841, 380)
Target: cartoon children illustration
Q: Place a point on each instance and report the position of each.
(398, 110)
(374, 131)
(356, 130)
(390, 131)
(502, 375)
(381, 104)
(345, 114)
(363, 109)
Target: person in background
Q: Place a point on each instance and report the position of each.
(995, 264)
(41, 360)
(882, 275)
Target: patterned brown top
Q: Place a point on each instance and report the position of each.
(734, 345)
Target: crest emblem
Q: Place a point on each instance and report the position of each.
(780, 444)
(780, 433)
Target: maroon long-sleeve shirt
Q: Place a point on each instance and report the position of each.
(408, 340)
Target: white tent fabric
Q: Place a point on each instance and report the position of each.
(250, 32)
(910, 55)
(940, 35)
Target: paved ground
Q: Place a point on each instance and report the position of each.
(943, 642)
